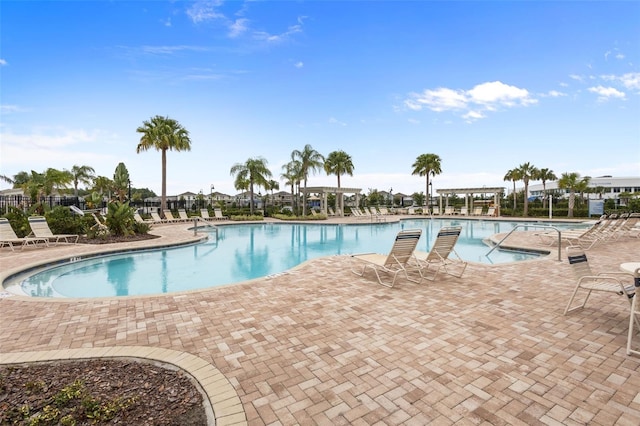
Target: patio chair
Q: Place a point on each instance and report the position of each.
(183, 215)
(435, 211)
(587, 280)
(395, 262)
(156, 218)
(99, 225)
(204, 213)
(218, 215)
(40, 229)
(168, 217)
(477, 211)
(139, 218)
(464, 211)
(491, 211)
(8, 237)
(449, 210)
(583, 238)
(439, 257)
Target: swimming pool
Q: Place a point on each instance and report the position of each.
(243, 252)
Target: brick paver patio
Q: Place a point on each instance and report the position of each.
(320, 345)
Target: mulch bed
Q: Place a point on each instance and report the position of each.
(98, 392)
(109, 239)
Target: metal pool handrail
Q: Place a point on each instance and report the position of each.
(529, 225)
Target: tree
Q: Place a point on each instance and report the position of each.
(163, 134)
(271, 186)
(255, 171)
(291, 174)
(339, 163)
(571, 182)
(513, 175)
(310, 161)
(526, 171)
(121, 181)
(427, 165)
(545, 175)
(81, 174)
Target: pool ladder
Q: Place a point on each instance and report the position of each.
(531, 225)
(208, 225)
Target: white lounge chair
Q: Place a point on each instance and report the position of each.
(477, 211)
(204, 213)
(464, 211)
(395, 262)
(156, 218)
(449, 210)
(8, 237)
(139, 218)
(490, 212)
(435, 211)
(619, 283)
(168, 217)
(40, 229)
(218, 215)
(183, 215)
(439, 257)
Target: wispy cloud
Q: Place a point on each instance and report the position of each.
(205, 10)
(2, 62)
(299, 64)
(472, 104)
(170, 50)
(630, 80)
(8, 109)
(333, 120)
(238, 27)
(279, 38)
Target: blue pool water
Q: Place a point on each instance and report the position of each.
(247, 251)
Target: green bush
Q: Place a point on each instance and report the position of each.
(18, 220)
(62, 221)
(120, 219)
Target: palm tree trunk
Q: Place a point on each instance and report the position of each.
(251, 198)
(163, 202)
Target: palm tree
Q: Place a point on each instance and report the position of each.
(255, 171)
(310, 161)
(514, 176)
(162, 134)
(81, 174)
(291, 175)
(545, 175)
(526, 172)
(339, 163)
(572, 182)
(427, 165)
(271, 185)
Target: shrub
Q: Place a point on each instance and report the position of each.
(62, 221)
(18, 220)
(120, 219)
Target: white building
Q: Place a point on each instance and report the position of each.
(610, 187)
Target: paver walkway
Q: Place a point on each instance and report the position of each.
(320, 345)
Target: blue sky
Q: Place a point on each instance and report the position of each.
(486, 86)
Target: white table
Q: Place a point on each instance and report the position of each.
(633, 268)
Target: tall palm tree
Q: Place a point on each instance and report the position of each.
(271, 185)
(310, 161)
(514, 176)
(427, 165)
(545, 175)
(339, 163)
(255, 171)
(572, 182)
(291, 175)
(526, 172)
(163, 134)
(81, 174)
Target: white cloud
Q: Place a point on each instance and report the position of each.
(298, 64)
(333, 120)
(205, 10)
(56, 148)
(473, 103)
(238, 27)
(8, 109)
(606, 93)
(170, 50)
(554, 94)
(576, 77)
(629, 80)
(3, 62)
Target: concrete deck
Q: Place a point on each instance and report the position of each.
(320, 345)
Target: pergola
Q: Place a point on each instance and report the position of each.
(469, 193)
(322, 191)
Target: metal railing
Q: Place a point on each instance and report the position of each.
(527, 226)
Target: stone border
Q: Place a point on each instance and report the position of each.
(223, 399)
